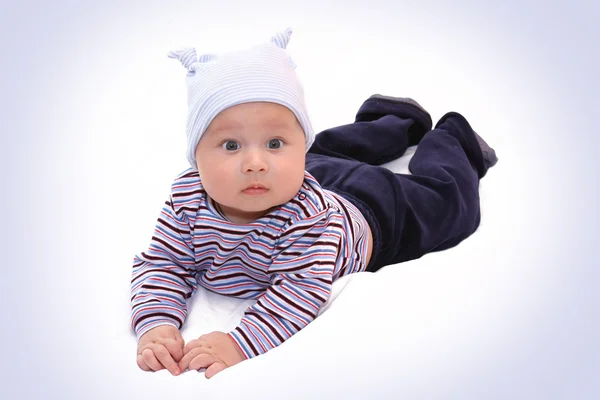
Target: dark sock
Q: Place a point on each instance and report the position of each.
(403, 107)
(489, 155)
(398, 99)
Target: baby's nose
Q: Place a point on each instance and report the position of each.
(255, 161)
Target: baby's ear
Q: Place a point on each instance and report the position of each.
(281, 39)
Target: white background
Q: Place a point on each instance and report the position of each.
(92, 134)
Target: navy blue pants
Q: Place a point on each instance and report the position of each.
(410, 215)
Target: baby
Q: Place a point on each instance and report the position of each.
(270, 211)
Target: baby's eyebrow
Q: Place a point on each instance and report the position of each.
(225, 126)
(228, 128)
(278, 123)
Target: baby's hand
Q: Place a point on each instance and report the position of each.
(159, 348)
(214, 351)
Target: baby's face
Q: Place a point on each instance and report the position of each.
(251, 159)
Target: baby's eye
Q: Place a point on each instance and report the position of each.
(231, 145)
(275, 143)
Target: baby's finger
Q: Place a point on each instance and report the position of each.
(184, 363)
(190, 345)
(214, 369)
(165, 358)
(175, 349)
(150, 360)
(142, 364)
(202, 360)
(180, 341)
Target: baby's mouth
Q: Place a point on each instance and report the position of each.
(255, 189)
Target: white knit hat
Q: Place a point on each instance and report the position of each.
(263, 73)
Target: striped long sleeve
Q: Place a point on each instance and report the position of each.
(161, 279)
(301, 277)
(286, 260)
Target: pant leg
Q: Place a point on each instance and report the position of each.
(381, 133)
(433, 209)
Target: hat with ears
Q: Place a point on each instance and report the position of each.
(264, 72)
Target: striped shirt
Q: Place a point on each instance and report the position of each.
(287, 260)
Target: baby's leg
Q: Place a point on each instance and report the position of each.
(384, 128)
(410, 215)
(438, 206)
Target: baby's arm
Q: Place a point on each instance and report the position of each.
(301, 276)
(161, 283)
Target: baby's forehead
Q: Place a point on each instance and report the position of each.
(254, 130)
(254, 114)
(230, 123)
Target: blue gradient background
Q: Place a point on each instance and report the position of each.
(92, 133)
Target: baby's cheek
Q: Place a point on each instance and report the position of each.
(294, 176)
(219, 179)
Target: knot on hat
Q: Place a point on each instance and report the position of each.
(281, 39)
(187, 57)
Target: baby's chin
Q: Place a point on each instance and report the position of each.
(262, 202)
(247, 204)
